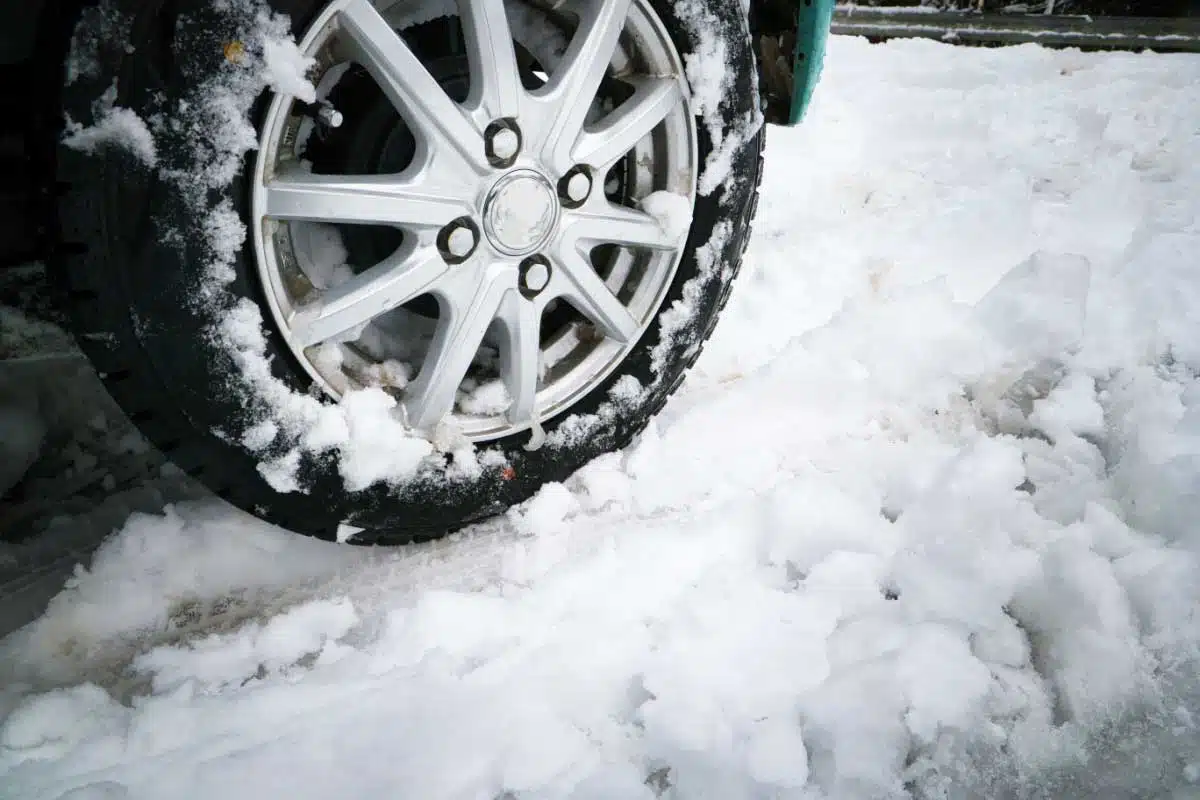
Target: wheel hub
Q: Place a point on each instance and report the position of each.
(479, 171)
(520, 212)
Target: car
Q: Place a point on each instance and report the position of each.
(373, 270)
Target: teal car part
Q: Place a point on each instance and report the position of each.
(790, 38)
(812, 34)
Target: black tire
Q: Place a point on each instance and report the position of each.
(129, 286)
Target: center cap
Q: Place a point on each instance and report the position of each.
(520, 212)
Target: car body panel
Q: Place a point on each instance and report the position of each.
(812, 34)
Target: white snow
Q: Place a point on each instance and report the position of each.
(285, 69)
(672, 211)
(364, 430)
(1071, 409)
(921, 523)
(114, 127)
(489, 397)
(326, 264)
(221, 661)
(683, 311)
(396, 374)
(376, 442)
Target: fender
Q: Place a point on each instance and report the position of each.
(789, 43)
(813, 22)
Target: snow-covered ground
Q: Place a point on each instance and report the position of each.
(922, 522)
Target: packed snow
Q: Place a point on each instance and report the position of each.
(672, 211)
(113, 126)
(921, 523)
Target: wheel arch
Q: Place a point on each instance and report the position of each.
(19, 24)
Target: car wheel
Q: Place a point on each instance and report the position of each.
(503, 230)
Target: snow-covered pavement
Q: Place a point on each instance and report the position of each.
(922, 522)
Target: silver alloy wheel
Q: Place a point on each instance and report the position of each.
(491, 208)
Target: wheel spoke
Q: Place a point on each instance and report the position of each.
(609, 223)
(589, 294)
(521, 320)
(616, 134)
(408, 273)
(460, 331)
(360, 199)
(408, 84)
(572, 87)
(495, 85)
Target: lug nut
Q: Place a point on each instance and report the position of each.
(505, 143)
(575, 186)
(535, 275)
(460, 242)
(578, 186)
